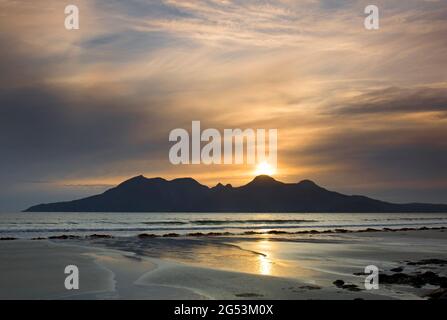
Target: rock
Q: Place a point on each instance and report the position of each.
(351, 287)
(438, 294)
(248, 233)
(428, 261)
(338, 283)
(417, 280)
(171, 235)
(146, 235)
(248, 295)
(398, 269)
(277, 232)
(64, 237)
(341, 284)
(100, 236)
(310, 287)
(214, 234)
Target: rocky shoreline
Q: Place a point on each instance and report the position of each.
(220, 234)
(417, 278)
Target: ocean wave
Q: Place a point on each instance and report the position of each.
(165, 222)
(406, 219)
(253, 221)
(197, 228)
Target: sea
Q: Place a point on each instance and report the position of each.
(33, 225)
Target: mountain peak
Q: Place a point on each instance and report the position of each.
(264, 177)
(187, 182)
(308, 184)
(135, 179)
(139, 181)
(263, 180)
(220, 186)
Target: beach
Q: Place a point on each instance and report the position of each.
(312, 265)
(223, 150)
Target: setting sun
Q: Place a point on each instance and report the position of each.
(265, 168)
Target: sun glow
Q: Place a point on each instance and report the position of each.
(265, 168)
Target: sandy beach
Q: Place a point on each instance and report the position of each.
(238, 267)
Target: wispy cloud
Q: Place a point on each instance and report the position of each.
(97, 104)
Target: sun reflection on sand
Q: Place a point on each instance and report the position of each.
(269, 264)
(265, 265)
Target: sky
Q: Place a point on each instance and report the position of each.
(357, 111)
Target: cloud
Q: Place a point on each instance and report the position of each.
(95, 106)
(396, 100)
(376, 160)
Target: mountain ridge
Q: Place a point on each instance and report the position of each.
(262, 194)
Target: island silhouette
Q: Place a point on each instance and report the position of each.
(262, 194)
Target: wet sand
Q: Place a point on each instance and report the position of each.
(266, 267)
(35, 270)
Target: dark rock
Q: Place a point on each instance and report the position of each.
(248, 295)
(338, 283)
(310, 287)
(341, 284)
(351, 287)
(171, 235)
(398, 269)
(214, 234)
(277, 232)
(427, 261)
(146, 235)
(438, 294)
(100, 236)
(417, 280)
(220, 234)
(196, 234)
(64, 237)
(248, 233)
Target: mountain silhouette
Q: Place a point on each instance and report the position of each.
(262, 194)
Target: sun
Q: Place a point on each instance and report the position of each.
(265, 168)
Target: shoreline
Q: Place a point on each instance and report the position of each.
(224, 234)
